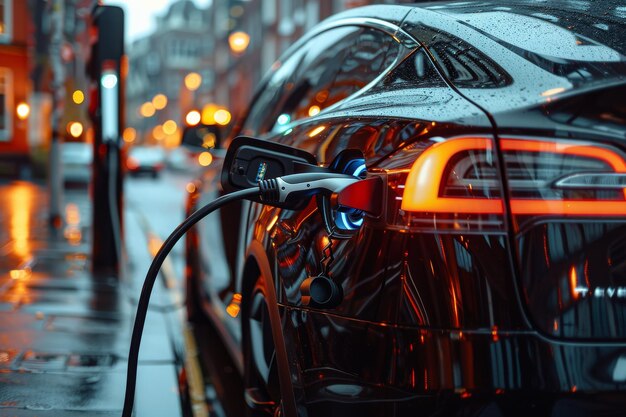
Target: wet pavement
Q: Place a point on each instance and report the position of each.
(65, 333)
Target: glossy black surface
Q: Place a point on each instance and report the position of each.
(454, 313)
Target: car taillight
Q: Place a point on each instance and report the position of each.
(456, 182)
(132, 163)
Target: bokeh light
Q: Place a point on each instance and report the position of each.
(193, 118)
(75, 129)
(159, 101)
(205, 159)
(147, 109)
(193, 81)
(129, 135)
(169, 127)
(208, 114)
(238, 41)
(222, 117)
(78, 97)
(23, 110)
(157, 132)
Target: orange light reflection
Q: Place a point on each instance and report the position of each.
(316, 131)
(272, 222)
(553, 91)
(20, 208)
(494, 334)
(235, 305)
(573, 282)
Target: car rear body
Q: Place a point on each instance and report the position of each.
(77, 158)
(145, 160)
(496, 275)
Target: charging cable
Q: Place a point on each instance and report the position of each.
(288, 192)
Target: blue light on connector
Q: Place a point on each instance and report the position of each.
(353, 219)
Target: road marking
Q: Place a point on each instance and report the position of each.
(195, 379)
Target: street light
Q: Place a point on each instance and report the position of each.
(238, 41)
(22, 110)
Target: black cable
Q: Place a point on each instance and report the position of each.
(151, 276)
(290, 191)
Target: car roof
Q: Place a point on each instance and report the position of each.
(543, 65)
(547, 48)
(601, 21)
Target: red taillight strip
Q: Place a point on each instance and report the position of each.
(587, 151)
(421, 193)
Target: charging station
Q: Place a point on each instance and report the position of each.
(106, 69)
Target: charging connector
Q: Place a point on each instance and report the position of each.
(291, 191)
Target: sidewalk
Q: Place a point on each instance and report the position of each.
(65, 334)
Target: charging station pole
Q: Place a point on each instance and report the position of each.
(107, 70)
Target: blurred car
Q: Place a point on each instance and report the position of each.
(182, 160)
(145, 160)
(494, 282)
(77, 158)
(179, 159)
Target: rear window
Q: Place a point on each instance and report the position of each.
(325, 70)
(584, 42)
(466, 66)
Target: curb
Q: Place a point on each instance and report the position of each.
(193, 370)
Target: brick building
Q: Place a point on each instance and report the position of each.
(15, 26)
(26, 81)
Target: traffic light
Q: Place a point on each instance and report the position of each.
(106, 68)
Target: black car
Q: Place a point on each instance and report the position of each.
(494, 281)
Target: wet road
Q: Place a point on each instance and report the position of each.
(64, 334)
(157, 206)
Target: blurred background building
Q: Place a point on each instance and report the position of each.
(168, 72)
(26, 92)
(209, 60)
(14, 86)
(201, 64)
